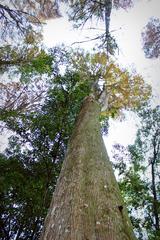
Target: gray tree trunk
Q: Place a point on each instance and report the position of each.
(87, 204)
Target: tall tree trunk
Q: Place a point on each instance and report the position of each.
(86, 204)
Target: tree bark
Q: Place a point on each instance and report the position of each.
(87, 204)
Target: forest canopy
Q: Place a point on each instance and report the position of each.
(41, 94)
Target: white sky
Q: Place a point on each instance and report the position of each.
(127, 27)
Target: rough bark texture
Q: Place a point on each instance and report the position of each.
(86, 204)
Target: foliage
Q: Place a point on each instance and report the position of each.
(28, 70)
(24, 193)
(122, 89)
(23, 18)
(123, 4)
(41, 63)
(21, 97)
(25, 55)
(151, 38)
(138, 167)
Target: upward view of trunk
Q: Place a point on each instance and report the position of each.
(86, 204)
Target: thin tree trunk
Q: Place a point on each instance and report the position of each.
(107, 15)
(86, 204)
(155, 200)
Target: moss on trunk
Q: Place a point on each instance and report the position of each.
(87, 204)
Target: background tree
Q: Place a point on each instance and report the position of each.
(138, 168)
(81, 12)
(151, 38)
(23, 17)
